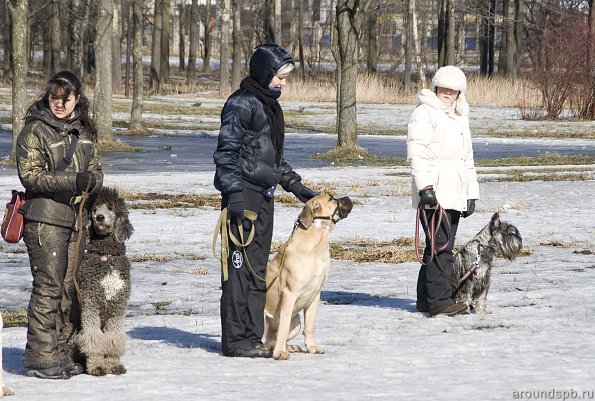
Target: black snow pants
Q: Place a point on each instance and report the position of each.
(434, 289)
(53, 311)
(243, 294)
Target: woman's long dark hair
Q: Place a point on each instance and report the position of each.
(62, 85)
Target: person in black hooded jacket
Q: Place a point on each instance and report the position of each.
(249, 166)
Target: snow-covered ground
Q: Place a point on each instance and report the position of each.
(536, 342)
(537, 338)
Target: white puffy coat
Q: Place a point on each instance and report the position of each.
(440, 152)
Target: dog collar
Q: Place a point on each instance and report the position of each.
(320, 223)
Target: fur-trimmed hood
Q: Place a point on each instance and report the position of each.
(459, 108)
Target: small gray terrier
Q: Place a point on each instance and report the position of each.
(104, 282)
(496, 237)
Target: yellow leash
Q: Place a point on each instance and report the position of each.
(223, 229)
(77, 245)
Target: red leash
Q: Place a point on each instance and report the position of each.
(432, 228)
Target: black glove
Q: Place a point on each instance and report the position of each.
(236, 209)
(301, 192)
(470, 208)
(85, 181)
(427, 196)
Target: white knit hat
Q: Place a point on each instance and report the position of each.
(450, 77)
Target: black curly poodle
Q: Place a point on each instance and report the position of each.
(104, 284)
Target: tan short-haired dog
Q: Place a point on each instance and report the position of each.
(296, 275)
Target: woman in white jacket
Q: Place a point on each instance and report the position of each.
(443, 172)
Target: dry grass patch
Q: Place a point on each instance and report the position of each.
(115, 146)
(357, 156)
(363, 249)
(386, 87)
(170, 109)
(541, 133)
(13, 249)
(500, 92)
(191, 256)
(360, 186)
(17, 318)
(399, 190)
(559, 244)
(150, 257)
(374, 255)
(547, 159)
(201, 272)
(153, 200)
(519, 176)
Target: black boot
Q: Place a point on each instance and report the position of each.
(250, 351)
(55, 372)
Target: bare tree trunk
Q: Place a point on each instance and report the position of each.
(88, 39)
(491, 37)
(483, 39)
(451, 37)
(407, 47)
(47, 47)
(421, 72)
(518, 34)
(165, 7)
(19, 11)
(102, 104)
(372, 41)
(77, 31)
(55, 42)
(278, 28)
(446, 34)
(191, 70)
(7, 41)
(117, 47)
(155, 76)
(206, 58)
(129, 22)
(136, 112)
(182, 43)
(301, 40)
(348, 22)
(268, 17)
(236, 55)
(510, 41)
(487, 38)
(224, 52)
(442, 21)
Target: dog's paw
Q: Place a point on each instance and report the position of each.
(315, 349)
(6, 391)
(97, 371)
(117, 369)
(281, 355)
(294, 348)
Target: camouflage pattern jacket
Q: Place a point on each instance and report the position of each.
(52, 196)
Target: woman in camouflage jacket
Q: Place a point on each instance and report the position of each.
(54, 183)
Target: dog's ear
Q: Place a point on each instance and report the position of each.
(495, 222)
(123, 229)
(307, 214)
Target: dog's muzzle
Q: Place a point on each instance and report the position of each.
(344, 206)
